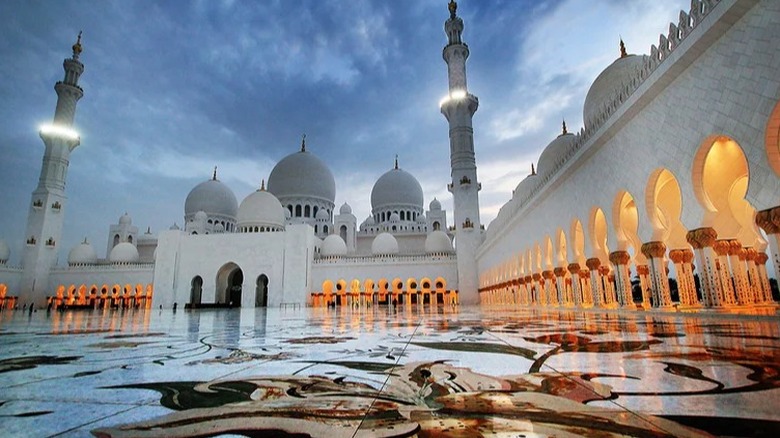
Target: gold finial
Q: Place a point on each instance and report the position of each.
(77, 47)
(564, 128)
(396, 161)
(453, 7)
(303, 143)
(85, 241)
(623, 53)
(533, 171)
(214, 177)
(262, 185)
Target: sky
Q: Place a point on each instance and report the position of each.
(174, 88)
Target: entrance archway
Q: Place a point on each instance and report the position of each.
(230, 279)
(196, 290)
(261, 291)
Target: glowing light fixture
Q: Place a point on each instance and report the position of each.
(61, 131)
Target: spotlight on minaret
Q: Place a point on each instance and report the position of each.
(59, 131)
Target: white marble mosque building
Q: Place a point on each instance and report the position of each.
(676, 173)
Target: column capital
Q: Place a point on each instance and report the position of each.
(574, 268)
(769, 220)
(537, 276)
(721, 247)
(677, 255)
(559, 272)
(593, 263)
(642, 269)
(548, 275)
(735, 248)
(701, 237)
(619, 257)
(654, 250)
(761, 258)
(687, 255)
(749, 253)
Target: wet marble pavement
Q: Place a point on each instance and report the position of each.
(378, 372)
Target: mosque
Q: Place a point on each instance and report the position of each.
(675, 174)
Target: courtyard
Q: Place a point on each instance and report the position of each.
(388, 372)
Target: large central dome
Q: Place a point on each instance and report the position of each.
(302, 175)
(396, 188)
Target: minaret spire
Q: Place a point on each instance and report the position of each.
(459, 107)
(564, 128)
(47, 206)
(623, 53)
(214, 176)
(77, 47)
(396, 161)
(303, 143)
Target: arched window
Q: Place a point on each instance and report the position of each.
(307, 211)
(315, 227)
(116, 239)
(436, 226)
(325, 229)
(297, 211)
(343, 232)
(290, 208)
(130, 239)
(403, 215)
(314, 212)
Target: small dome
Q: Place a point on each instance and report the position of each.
(554, 153)
(5, 251)
(384, 244)
(219, 228)
(201, 216)
(302, 174)
(287, 214)
(261, 208)
(421, 220)
(83, 254)
(124, 252)
(322, 215)
(345, 209)
(435, 205)
(525, 187)
(125, 219)
(395, 217)
(213, 198)
(438, 242)
(334, 245)
(175, 226)
(396, 188)
(607, 84)
(370, 220)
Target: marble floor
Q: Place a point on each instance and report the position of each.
(379, 372)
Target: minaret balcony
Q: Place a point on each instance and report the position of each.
(37, 204)
(31, 241)
(56, 206)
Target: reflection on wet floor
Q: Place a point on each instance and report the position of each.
(379, 372)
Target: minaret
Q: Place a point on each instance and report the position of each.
(459, 107)
(47, 207)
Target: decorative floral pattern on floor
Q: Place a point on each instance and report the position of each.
(425, 372)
